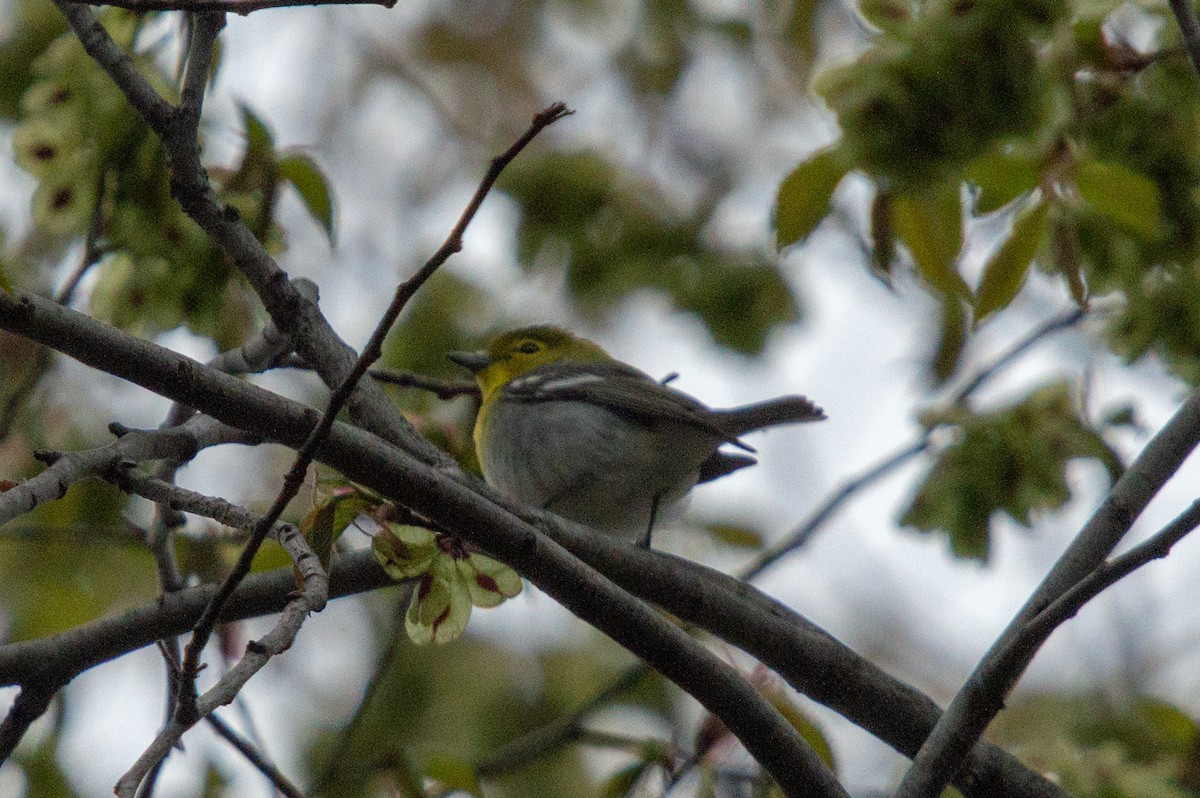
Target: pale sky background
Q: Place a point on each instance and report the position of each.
(893, 595)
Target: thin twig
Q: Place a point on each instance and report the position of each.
(442, 389)
(1105, 576)
(371, 352)
(255, 757)
(1189, 26)
(310, 598)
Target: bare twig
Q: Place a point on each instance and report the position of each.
(1189, 26)
(311, 598)
(371, 352)
(1105, 576)
(442, 389)
(836, 500)
(179, 444)
(255, 757)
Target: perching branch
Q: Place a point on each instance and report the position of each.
(458, 504)
(472, 513)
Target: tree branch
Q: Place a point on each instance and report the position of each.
(371, 352)
(1189, 26)
(255, 757)
(311, 598)
(1105, 576)
(471, 512)
(983, 694)
(179, 444)
(462, 506)
(291, 310)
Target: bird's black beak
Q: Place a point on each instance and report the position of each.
(474, 361)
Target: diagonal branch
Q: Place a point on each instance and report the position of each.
(1105, 576)
(371, 352)
(471, 510)
(293, 312)
(310, 598)
(983, 694)
(461, 506)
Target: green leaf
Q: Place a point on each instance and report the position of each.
(952, 340)
(454, 773)
(258, 135)
(734, 535)
(1001, 176)
(803, 198)
(889, 16)
(621, 783)
(930, 223)
(1011, 461)
(304, 174)
(1123, 195)
(1005, 271)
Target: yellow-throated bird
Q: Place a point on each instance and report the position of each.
(566, 427)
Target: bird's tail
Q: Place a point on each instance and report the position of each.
(784, 410)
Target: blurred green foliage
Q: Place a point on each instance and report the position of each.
(442, 710)
(1037, 112)
(1011, 461)
(1145, 748)
(610, 236)
(1043, 112)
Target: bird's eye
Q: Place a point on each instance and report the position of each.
(529, 347)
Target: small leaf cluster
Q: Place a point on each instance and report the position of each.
(1011, 461)
(103, 175)
(609, 239)
(938, 89)
(1082, 144)
(451, 579)
(75, 123)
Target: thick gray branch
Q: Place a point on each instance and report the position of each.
(471, 512)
